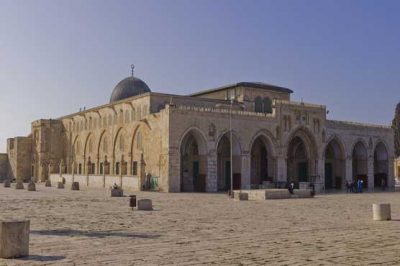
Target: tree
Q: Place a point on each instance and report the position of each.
(396, 129)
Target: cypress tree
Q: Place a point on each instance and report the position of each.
(396, 129)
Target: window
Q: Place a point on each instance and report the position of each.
(134, 168)
(117, 168)
(80, 169)
(258, 105)
(267, 104)
(101, 168)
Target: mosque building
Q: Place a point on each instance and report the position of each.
(173, 143)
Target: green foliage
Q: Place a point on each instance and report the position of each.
(396, 128)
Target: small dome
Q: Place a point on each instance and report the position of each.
(128, 87)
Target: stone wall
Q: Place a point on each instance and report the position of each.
(4, 166)
(19, 150)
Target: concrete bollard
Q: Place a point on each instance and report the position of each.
(238, 196)
(19, 185)
(75, 186)
(14, 239)
(60, 185)
(7, 183)
(145, 205)
(31, 186)
(381, 212)
(116, 192)
(48, 183)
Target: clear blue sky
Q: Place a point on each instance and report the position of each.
(58, 56)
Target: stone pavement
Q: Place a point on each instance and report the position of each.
(88, 227)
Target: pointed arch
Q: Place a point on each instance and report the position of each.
(193, 160)
(381, 165)
(334, 155)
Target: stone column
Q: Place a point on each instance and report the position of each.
(211, 184)
(104, 173)
(73, 172)
(48, 171)
(112, 170)
(320, 174)
(391, 173)
(129, 164)
(281, 165)
(349, 168)
(246, 170)
(60, 166)
(370, 167)
(174, 170)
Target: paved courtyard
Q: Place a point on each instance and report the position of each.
(89, 228)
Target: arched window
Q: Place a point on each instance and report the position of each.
(267, 104)
(258, 105)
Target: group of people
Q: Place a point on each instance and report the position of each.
(355, 186)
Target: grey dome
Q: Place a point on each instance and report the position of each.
(129, 87)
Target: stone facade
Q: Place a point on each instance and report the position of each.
(182, 143)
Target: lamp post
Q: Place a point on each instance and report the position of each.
(231, 146)
(232, 100)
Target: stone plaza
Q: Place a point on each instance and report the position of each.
(88, 227)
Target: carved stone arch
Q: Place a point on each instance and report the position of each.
(237, 147)
(85, 151)
(120, 131)
(73, 150)
(355, 142)
(198, 134)
(380, 140)
(193, 160)
(271, 140)
(139, 127)
(338, 140)
(307, 136)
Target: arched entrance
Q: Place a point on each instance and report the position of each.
(334, 165)
(224, 163)
(301, 158)
(193, 162)
(360, 163)
(381, 166)
(262, 163)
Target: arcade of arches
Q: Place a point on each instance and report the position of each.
(143, 139)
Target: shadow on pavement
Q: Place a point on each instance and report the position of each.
(98, 234)
(42, 258)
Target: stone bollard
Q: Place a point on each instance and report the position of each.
(381, 212)
(75, 186)
(19, 185)
(14, 239)
(60, 185)
(7, 183)
(31, 186)
(48, 183)
(240, 196)
(117, 192)
(145, 205)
